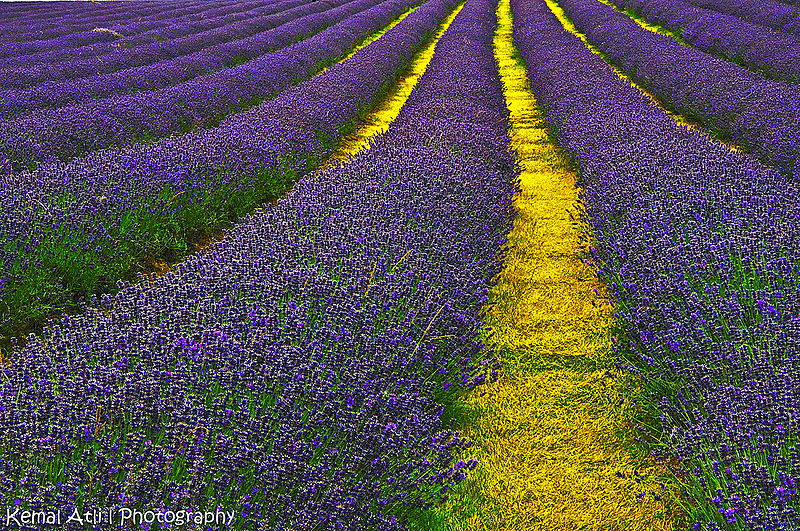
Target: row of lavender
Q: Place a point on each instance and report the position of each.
(20, 33)
(699, 246)
(761, 115)
(130, 35)
(75, 228)
(68, 132)
(770, 13)
(769, 51)
(197, 53)
(293, 374)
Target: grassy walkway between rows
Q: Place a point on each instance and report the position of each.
(554, 434)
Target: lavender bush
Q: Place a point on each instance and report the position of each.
(768, 51)
(63, 134)
(760, 115)
(699, 247)
(294, 373)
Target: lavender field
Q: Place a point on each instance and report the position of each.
(400, 265)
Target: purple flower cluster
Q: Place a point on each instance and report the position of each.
(699, 247)
(771, 52)
(34, 33)
(761, 115)
(770, 13)
(200, 19)
(295, 373)
(63, 134)
(71, 228)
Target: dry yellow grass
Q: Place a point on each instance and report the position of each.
(549, 433)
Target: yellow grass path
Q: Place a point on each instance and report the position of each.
(548, 434)
(379, 119)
